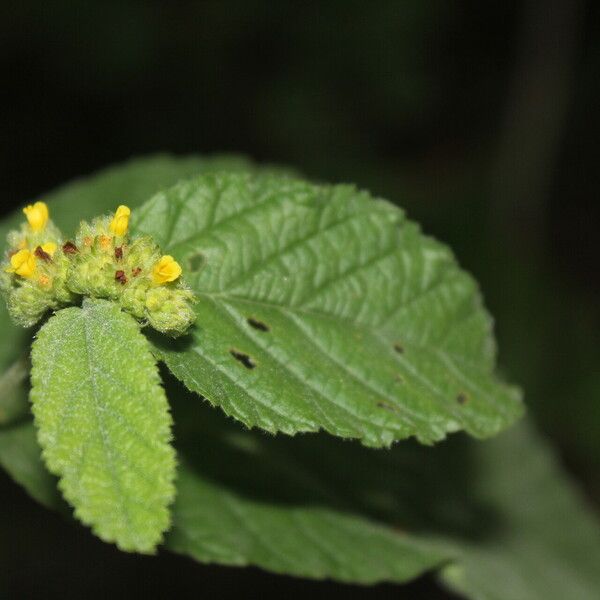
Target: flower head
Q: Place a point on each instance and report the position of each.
(22, 263)
(167, 269)
(37, 215)
(120, 222)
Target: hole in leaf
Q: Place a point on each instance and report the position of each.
(195, 262)
(243, 358)
(462, 398)
(399, 348)
(257, 324)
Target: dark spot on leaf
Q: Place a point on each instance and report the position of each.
(136, 271)
(243, 358)
(119, 252)
(462, 398)
(120, 277)
(41, 254)
(387, 406)
(398, 378)
(257, 324)
(69, 248)
(399, 348)
(195, 262)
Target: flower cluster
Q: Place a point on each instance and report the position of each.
(45, 272)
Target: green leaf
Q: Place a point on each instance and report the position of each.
(323, 308)
(104, 423)
(541, 539)
(20, 456)
(500, 514)
(215, 525)
(13, 392)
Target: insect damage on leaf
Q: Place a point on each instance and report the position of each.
(243, 358)
(348, 305)
(102, 262)
(256, 324)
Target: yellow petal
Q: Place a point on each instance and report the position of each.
(22, 263)
(167, 269)
(49, 248)
(120, 222)
(37, 215)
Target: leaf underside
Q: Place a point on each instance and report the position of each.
(103, 422)
(498, 520)
(321, 308)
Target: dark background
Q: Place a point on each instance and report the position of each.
(481, 119)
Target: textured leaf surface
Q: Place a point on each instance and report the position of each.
(104, 423)
(501, 515)
(323, 308)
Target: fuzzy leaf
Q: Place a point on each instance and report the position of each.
(103, 422)
(323, 308)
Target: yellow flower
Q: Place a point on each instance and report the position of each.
(106, 241)
(49, 248)
(37, 215)
(22, 263)
(165, 270)
(120, 223)
(44, 281)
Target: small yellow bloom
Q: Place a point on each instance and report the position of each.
(165, 270)
(120, 223)
(49, 248)
(37, 215)
(22, 263)
(105, 241)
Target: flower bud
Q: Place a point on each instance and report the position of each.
(120, 222)
(22, 263)
(37, 215)
(169, 310)
(166, 270)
